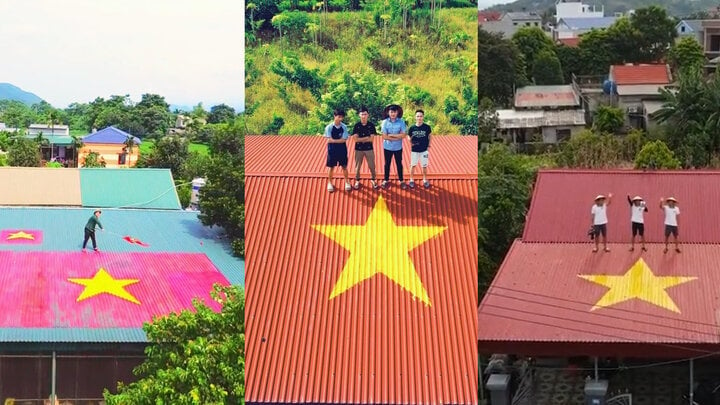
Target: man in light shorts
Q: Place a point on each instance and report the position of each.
(598, 216)
(638, 208)
(672, 212)
(420, 139)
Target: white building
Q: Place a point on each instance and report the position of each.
(576, 9)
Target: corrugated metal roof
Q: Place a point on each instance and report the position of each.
(586, 23)
(55, 139)
(273, 155)
(537, 119)
(40, 186)
(545, 293)
(130, 188)
(374, 341)
(562, 199)
(640, 74)
(109, 135)
(547, 96)
(166, 232)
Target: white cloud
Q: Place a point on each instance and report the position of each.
(75, 50)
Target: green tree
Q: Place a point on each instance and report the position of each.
(194, 357)
(220, 114)
(656, 155)
(597, 52)
(547, 70)
(503, 68)
(632, 144)
(608, 119)
(24, 152)
(93, 159)
(657, 32)
(170, 152)
(488, 121)
(222, 199)
(686, 53)
(570, 61)
(531, 41)
(624, 39)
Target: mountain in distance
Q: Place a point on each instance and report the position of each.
(11, 92)
(677, 8)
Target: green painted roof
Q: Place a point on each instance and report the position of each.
(128, 188)
(58, 140)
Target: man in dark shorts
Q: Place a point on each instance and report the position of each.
(90, 229)
(363, 132)
(637, 210)
(337, 134)
(672, 212)
(598, 216)
(393, 130)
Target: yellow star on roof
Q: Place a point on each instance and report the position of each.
(380, 247)
(103, 282)
(20, 235)
(639, 282)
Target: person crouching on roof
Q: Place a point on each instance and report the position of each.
(637, 210)
(599, 219)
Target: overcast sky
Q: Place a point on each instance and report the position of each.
(483, 4)
(68, 51)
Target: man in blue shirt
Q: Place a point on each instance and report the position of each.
(337, 134)
(393, 130)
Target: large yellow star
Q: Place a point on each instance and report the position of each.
(103, 282)
(20, 235)
(639, 282)
(380, 247)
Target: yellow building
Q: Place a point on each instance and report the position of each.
(111, 145)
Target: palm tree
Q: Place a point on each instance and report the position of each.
(52, 120)
(129, 146)
(77, 145)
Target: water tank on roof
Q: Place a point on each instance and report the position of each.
(197, 184)
(609, 87)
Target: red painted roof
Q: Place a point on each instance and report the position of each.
(640, 74)
(313, 339)
(484, 16)
(571, 42)
(538, 299)
(306, 155)
(562, 200)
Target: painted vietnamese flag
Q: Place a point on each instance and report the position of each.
(73, 290)
(21, 237)
(135, 241)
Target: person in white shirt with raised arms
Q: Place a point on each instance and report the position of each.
(599, 219)
(672, 212)
(637, 209)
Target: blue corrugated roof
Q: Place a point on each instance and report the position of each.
(109, 135)
(128, 188)
(588, 23)
(165, 231)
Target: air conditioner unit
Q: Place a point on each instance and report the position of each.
(635, 110)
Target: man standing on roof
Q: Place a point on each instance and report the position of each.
(90, 229)
(363, 133)
(598, 216)
(637, 209)
(393, 130)
(672, 212)
(420, 140)
(337, 134)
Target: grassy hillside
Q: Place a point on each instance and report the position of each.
(678, 8)
(353, 61)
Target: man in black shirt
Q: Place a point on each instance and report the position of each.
(420, 139)
(363, 132)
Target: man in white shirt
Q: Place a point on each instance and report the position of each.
(598, 216)
(637, 210)
(672, 212)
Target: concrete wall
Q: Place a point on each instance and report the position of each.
(110, 153)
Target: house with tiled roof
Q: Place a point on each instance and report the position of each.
(542, 114)
(556, 301)
(360, 297)
(574, 27)
(81, 314)
(111, 145)
(637, 90)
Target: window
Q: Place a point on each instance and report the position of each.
(563, 134)
(122, 158)
(682, 29)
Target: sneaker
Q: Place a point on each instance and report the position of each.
(348, 187)
(84, 250)
(330, 187)
(356, 185)
(374, 184)
(385, 184)
(411, 184)
(426, 184)
(96, 249)
(403, 185)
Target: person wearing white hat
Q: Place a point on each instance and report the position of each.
(598, 215)
(637, 210)
(672, 212)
